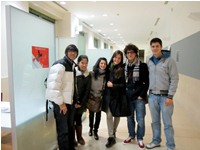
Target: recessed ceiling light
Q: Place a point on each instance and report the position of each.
(91, 25)
(111, 24)
(92, 16)
(62, 3)
(105, 15)
(115, 30)
(119, 34)
(99, 30)
(104, 34)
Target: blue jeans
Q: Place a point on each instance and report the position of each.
(157, 106)
(137, 106)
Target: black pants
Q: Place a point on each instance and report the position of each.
(97, 120)
(78, 119)
(64, 127)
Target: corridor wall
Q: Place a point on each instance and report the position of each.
(186, 53)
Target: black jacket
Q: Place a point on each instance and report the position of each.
(141, 86)
(118, 88)
(82, 94)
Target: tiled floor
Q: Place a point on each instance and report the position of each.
(187, 135)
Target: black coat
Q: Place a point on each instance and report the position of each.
(83, 86)
(143, 84)
(117, 90)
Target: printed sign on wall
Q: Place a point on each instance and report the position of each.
(40, 57)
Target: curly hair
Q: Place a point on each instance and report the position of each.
(131, 47)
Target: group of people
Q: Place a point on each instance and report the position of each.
(71, 85)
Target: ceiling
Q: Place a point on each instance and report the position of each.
(137, 22)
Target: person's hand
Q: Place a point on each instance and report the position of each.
(139, 97)
(63, 108)
(109, 84)
(168, 102)
(77, 106)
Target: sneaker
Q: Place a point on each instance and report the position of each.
(140, 144)
(152, 145)
(128, 140)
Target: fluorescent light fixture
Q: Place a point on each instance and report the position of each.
(99, 30)
(115, 30)
(111, 24)
(105, 15)
(62, 3)
(91, 25)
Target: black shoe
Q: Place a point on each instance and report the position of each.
(96, 136)
(111, 141)
(90, 132)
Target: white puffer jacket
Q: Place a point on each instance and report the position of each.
(60, 85)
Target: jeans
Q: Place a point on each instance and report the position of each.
(137, 106)
(157, 106)
(97, 120)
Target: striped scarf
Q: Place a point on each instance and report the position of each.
(136, 72)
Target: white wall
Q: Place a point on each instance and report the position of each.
(74, 25)
(63, 27)
(188, 97)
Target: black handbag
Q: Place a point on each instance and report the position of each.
(120, 107)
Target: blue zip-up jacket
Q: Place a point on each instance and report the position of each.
(163, 75)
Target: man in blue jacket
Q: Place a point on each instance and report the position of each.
(163, 76)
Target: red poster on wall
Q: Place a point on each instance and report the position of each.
(40, 57)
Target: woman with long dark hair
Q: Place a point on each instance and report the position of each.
(98, 81)
(115, 88)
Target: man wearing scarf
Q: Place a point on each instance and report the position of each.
(137, 83)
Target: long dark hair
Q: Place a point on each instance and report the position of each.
(119, 68)
(96, 67)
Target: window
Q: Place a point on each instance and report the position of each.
(105, 45)
(96, 43)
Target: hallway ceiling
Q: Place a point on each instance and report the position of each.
(137, 22)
